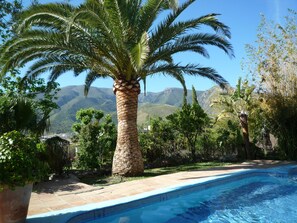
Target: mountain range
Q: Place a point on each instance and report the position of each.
(161, 104)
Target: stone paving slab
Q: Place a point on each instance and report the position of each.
(67, 193)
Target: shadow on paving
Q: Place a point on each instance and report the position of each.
(65, 184)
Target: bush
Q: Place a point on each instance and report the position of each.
(20, 161)
(161, 147)
(96, 139)
(58, 154)
(283, 124)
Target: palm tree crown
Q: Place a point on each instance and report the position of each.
(112, 38)
(120, 39)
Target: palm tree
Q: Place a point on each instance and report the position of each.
(237, 103)
(118, 39)
(20, 114)
(26, 104)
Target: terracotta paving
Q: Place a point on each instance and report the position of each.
(58, 195)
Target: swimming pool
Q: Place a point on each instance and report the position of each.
(250, 196)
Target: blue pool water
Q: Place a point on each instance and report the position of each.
(256, 197)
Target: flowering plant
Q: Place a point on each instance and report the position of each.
(20, 160)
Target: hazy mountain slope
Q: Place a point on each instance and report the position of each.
(147, 111)
(170, 96)
(161, 104)
(205, 100)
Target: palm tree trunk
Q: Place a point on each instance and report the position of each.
(245, 132)
(127, 160)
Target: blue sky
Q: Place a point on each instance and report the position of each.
(243, 18)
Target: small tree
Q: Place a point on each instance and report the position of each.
(190, 122)
(96, 138)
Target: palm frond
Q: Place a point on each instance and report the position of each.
(212, 21)
(165, 34)
(149, 12)
(91, 77)
(171, 4)
(53, 15)
(166, 52)
(206, 39)
(140, 51)
(164, 27)
(115, 18)
(189, 69)
(179, 76)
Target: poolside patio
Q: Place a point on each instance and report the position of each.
(68, 193)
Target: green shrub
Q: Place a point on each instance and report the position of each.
(161, 146)
(57, 154)
(20, 160)
(96, 139)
